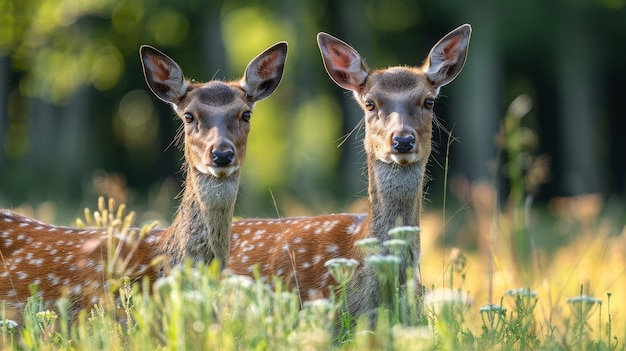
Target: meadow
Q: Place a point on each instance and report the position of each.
(569, 299)
(499, 272)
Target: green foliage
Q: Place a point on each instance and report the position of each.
(198, 308)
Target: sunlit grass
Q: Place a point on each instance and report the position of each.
(518, 277)
(575, 302)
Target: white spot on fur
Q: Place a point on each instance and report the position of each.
(353, 228)
(37, 261)
(52, 278)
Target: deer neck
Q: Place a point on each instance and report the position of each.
(395, 198)
(201, 228)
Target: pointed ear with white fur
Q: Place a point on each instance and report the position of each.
(343, 64)
(163, 75)
(447, 57)
(264, 72)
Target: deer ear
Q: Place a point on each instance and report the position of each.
(163, 75)
(343, 64)
(447, 57)
(264, 72)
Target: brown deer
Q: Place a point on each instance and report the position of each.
(398, 105)
(216, 117)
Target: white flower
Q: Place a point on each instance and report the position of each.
(342, 269)
(522, 292)
(406, 233)
(368, 245)
(396, 246)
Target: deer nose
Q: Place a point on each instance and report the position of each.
(403, 144)
(222, 158)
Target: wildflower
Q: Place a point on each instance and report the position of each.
(369, 246)
(241, 281)
(583, 305)
(46, 317)
(46, 321)
(342, 269)
(492, 308)
(396, 246)
(386, 267)
(521, 292)
(495, 315)
(406, 233)
(583, 299)
(10, 324)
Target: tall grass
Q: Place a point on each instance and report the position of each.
(549, 279)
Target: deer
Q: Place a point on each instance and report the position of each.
(398, 111)
(67, 261)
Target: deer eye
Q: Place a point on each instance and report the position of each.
(369, 105)
(429, 103)
(246, 116)
(188, 117)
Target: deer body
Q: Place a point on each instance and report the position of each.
(216, 118)
(398, 105)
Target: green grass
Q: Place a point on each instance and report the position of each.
(520, 279)
(197, 308)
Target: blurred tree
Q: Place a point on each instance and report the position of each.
(73, 101)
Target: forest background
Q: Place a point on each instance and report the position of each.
(77, 120)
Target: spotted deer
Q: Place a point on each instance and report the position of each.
(398, 106)
(216, 122)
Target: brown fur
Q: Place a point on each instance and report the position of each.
(71, 262)
(295, 249)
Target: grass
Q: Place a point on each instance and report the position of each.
(521, 278)
(200, 308)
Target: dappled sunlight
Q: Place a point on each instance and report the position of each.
(242, 45)
(168, 27)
